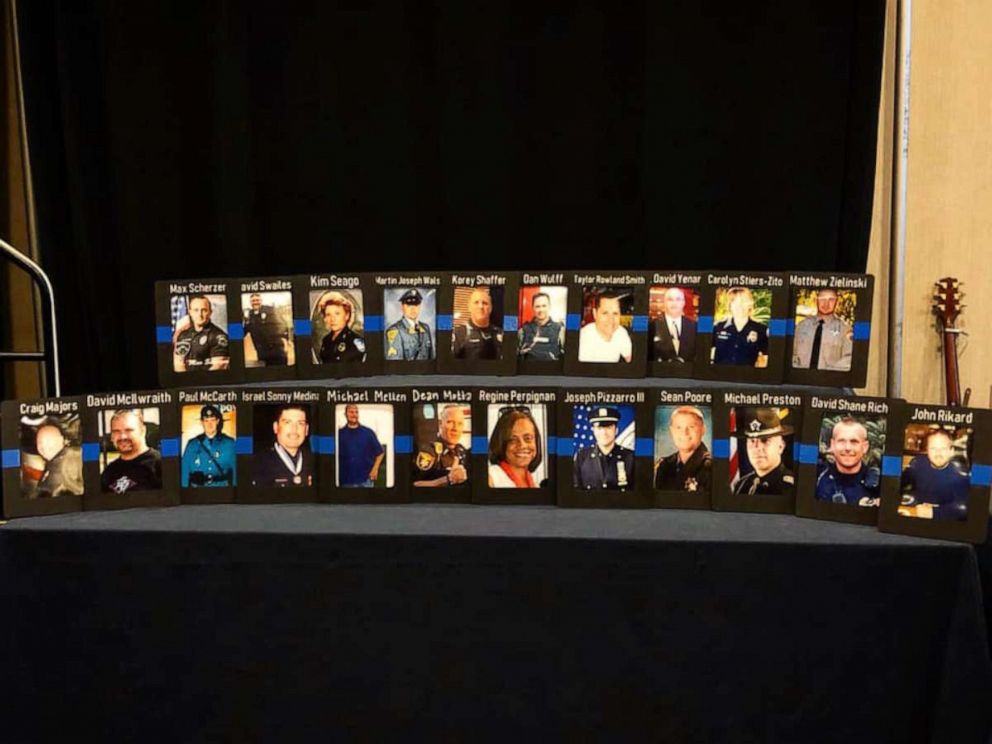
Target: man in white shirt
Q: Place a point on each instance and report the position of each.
(605, 340)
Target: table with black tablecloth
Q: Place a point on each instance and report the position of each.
(304, 622)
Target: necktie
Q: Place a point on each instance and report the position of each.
(675, 336)
(814, 354)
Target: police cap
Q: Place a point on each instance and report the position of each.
(760, 423)
(604, 415)
(210, 411)
(411, 297)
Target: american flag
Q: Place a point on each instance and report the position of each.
(179, 309)
(582, 435)
(735, 474)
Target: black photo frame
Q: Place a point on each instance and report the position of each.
(212, 432)
(672, 353)
(272, 319)
(463, 349)
(682, 447)
(436, 463)
(409, 341)
(541, 344)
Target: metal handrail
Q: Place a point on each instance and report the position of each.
(50, 355)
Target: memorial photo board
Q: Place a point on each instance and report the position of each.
(410, 309)
(211, 429)
(42, 456)
(445, 434)
(477, 323)
(605, 448)
(130, 450)
(682, 442)
(517, 464)
(267, 336)
(673, 322)
(542, 311)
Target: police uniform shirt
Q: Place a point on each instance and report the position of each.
(209, 462)
(541, 342)
(199, 348)
(63, 474)
(613, 471)
(594, 348)
(267, 333)
(695, 474)
(847, 488)
(779, 481)
(947, 488)
(406, 340)
(357, 449)
(836, 345)
(436, 459)
(348, 346)
(472, 342)
(143, 473)
(739, 347)
(270, 470)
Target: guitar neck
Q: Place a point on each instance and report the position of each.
(951, 374)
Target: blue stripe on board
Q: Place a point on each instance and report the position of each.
(510, 323)
(322, 445)
(981, 475)
(373, 323)
(565, 447)
(891, 465)
(235, 332)
(721, 449)
(862, 330)
(244, 446)
(163, 335)
(644, 447)
(776, 327)
(640, 324)
(480, 444)
(10, 458)
(705, 324)
(169, 447)
(91, 451)
(572, 321)
(444, 322)
(808, 453)
(301, 326)
(403, 444)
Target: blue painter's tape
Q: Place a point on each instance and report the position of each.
(169, 447)
(373, 323)
(301, 326)
(480, 444)
(981, 475)
(640, 324)
(565, 447)
(891, 465)
(572, 321)
(705, 324)
(403, 444)
(163, 335)
(644, 447)
(510, 323)
(444, 322)
(808, 453)
(776, 327)
(721, 449)
(552, 445)
(235, 332)
(322, 445)
(10, 458)
(244, 446)
(790, 327)
(91, 451)
(862, 330)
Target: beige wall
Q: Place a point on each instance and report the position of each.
(949, 225)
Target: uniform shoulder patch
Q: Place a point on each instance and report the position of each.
(788, 479)
(425, 460)
(360, 344)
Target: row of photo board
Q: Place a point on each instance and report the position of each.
(917, 469)
(754, 327)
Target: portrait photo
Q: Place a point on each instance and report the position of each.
(199, 332)
(603, 441)
(605, 325)
(477, 323)
(208, 445)
(282, 456)
(936, 472)
(267, 320)
(337, 326)
(672, 315)
(824, 334)
(849, 461)
(51, 459)
(761, 460)
(442, 441)
(129, 459)
(364, 451)
(518, 445)
(740, 326)
(541, 315)
(683, 442)
(410, 320)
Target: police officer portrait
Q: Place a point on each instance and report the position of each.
(518, 443)
(410, 318)
(442, 440)
(337, 322)
(364, 445)
(607, 316)
(824, 335)
(51, 456)
(477, 323)
(682, 442)
(603, 440)
(848, 469)
(740, 326)
(761, 461)
(672, 312)
(129, 456)
(199, 335)
(542, 323)
(936, 474)
(209, 435)
(267, 320)
(282, 456)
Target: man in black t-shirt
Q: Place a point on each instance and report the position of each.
(139, 467)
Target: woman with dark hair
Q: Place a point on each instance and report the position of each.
(514, 450)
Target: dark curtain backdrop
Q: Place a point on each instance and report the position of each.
(201, 139)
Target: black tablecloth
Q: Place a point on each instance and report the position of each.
(315, 622)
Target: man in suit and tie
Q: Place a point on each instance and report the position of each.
(673, 334)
